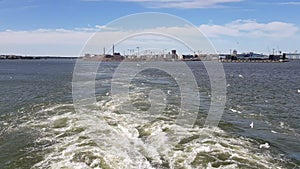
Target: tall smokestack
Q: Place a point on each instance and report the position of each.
(113, 49)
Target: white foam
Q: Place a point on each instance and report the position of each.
(266, 145)
(235, 111)
(252, 124)
(281, 124)
(129, 140)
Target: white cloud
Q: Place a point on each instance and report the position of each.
(249, 35)
(251, 28)
(290, 3)
(43, 42)
(43, 36)
(178, 3)
(159, 37)
(70, 42)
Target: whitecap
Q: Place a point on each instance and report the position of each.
(235, 111)
(266, 145)
(252, 124)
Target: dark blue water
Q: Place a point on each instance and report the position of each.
(40, 129)
(268, 95)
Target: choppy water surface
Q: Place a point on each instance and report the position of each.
(39, 127)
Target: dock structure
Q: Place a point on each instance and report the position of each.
(253, 61)
(252, 57)
(292, 56)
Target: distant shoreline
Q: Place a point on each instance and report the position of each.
(19, 57)
(113, 58)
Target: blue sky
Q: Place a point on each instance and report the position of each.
(33, 27)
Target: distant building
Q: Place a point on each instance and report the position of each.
(174, 54)
(245, 56)
(186, 57)
(87, 55)
(234, 53)
(292, 55)
(275, 57)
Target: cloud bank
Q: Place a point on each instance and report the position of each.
(290, 3)
(70, 42)
(251, 28)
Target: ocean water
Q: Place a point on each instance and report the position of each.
(39, 127)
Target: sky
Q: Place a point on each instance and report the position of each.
(64, 27)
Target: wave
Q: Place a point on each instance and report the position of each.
(108, 137)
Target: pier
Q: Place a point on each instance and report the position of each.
(292, 56)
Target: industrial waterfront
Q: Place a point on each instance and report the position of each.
(172, 55)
